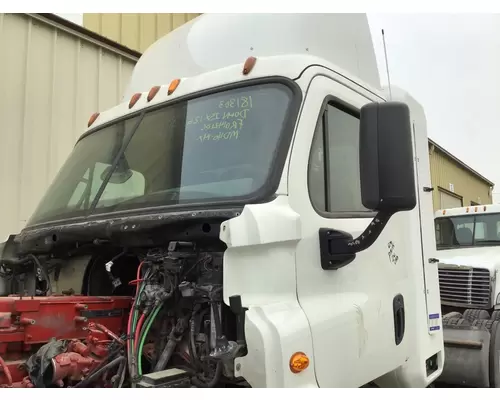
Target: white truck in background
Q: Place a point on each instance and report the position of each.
(258, 165)
(468, 244)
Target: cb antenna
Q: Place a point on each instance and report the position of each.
(387, 66)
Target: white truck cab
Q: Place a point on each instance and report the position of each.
(268, 139)
(468, 255)
(468, 244)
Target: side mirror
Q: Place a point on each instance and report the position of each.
(387, 179)
(386, 158)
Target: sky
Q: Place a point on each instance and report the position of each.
(450, 63)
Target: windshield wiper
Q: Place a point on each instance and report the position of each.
(120, 154)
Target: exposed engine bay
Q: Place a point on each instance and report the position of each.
(143, 317)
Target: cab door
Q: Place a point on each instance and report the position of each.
(354, 311)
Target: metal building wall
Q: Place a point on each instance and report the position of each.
(52, 78)
(136, 31)
(448, 176)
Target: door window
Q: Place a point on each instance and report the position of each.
(334, 177)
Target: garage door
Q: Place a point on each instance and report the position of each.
(447, 200)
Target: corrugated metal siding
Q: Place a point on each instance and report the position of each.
(465, 184)
(136, 31)
(51, 81)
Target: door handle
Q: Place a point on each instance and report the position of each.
(398, 307)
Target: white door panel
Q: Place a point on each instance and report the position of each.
(350, 310)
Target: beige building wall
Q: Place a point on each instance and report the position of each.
(136, 31)
(53, 76)
(455, 184)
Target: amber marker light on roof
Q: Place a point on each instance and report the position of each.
(249, 64)
(173, 86)
(134, 99)
(153, 92)
(92, 119)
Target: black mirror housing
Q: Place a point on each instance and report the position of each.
(386, 158)
(387, 175)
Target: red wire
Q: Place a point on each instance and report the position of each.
(6, 371)
(138, 330)
(139, 271)
(109, 333)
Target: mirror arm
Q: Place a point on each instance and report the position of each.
(369, 235)
(338, 248)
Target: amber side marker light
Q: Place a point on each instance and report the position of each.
(173, 86)
(153, 92)
(134, 99)
(249, 64)
(298, 362)
(92, 119)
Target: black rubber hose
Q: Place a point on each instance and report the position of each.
(218, 323)
(198, 315)
(161, 339)
(192, 344)
(115, 378)
(120, 375)
(218, 373)
(97, 373)
(165, 355)
(124, 373)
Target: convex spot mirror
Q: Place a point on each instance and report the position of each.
(120, 177)
(386, 157)
(120, 174)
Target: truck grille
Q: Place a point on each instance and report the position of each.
(465, 287)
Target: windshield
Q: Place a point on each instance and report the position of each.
(468, 231)
(216, 147)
